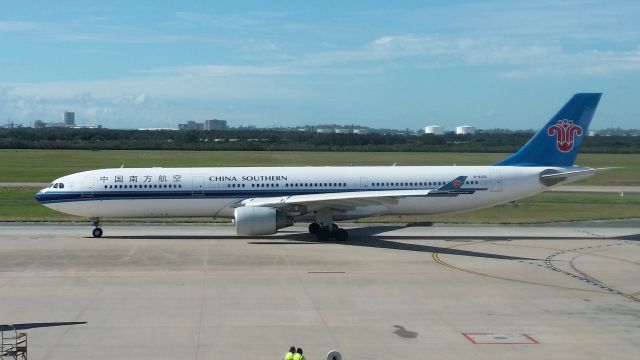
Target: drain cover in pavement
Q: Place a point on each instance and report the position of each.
(491, 338)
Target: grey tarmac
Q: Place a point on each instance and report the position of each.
(154, 291)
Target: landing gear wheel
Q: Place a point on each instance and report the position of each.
(341, 235)
(324, 234)
(97, 232)
(314, 228)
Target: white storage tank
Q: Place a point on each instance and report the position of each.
(465, 130)
(434, 129)
(361, 131)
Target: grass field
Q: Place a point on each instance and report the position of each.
(17, 204)
(46, 165)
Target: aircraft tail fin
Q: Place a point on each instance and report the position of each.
(558, 142)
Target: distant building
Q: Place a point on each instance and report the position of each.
(69, 118)
(68, 121)
(215, 124)
(156, 129)
(85, 127)
(465, 130)
(361, 131)
(434, 129)
(593, 133)
(324, 130)
(191, 125)
(342, 131)
(55, 125)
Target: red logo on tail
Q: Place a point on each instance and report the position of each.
(565, 131)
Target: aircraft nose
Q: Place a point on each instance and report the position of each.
(40, 196)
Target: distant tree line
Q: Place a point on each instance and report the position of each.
(107, 139)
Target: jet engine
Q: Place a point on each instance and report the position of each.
(256, 220)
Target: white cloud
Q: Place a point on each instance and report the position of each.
(507, 58)
(385, 53)
(18, 26)
(219, 70)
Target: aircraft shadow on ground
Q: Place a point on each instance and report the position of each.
(362, 237)
(372, 237)
(367, 237)
(26, 326)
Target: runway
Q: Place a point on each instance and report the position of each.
(156, 291)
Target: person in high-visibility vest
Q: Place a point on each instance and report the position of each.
(289, 355)
(298, 355)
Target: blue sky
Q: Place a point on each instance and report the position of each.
(400, 64)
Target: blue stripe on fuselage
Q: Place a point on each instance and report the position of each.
(72, 196)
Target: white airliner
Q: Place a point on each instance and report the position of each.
(262, 200)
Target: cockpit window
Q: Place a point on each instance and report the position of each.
(55, 186)
(61, 186)
(50, 185)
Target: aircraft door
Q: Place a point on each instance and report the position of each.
(364, 183)
(496, 182)
(88, 184)
(198, 186)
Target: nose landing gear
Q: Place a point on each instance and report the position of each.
(97, 231)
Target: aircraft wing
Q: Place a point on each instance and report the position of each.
(344, 201)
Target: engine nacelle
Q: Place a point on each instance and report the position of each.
(256, 220)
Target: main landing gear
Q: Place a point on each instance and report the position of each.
(324, 233)
(324, 228)
(97, 231)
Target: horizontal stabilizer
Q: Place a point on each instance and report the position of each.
(551, 177)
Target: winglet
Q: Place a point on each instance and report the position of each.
(454, 184)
